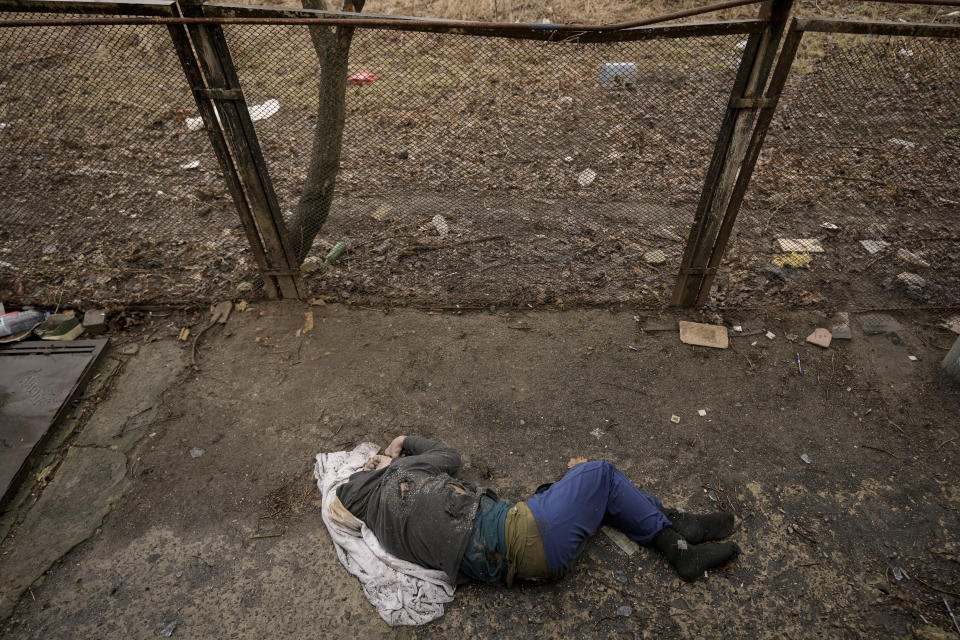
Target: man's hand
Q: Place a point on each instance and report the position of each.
(395, 448)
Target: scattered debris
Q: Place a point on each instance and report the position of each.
(624, 611)
(129, 349)
(874, 246)
(944, 598)
(244, 287)
(95, 321)
(363, 78)
(840, 329)
(310, 264)
(319, 301)
(257, 112)
(783, 273)
(618, 74)
(340, 247)
(702, 412)
(308, 322)
(16, 323)
(799, 245)
(675, 419)
(666, 234)
(565, 101)
(586, 177)
(770, 335)
(911, 280)
(657, 256)
(806, 458)
(795, 260)
(912, 358)
(820, 337)
(196, 452)
(184, 334)
(878, 323)
(799, 365)
(382, 212)
(193, 164)
(168, 630)
(59, 326)
(953, 324)
(899, 573)
(713, 496)
(829, 226)
(900, 142)
(440, 224)
(620, 539)
(912, 258)
(704, 335)
(572, 462)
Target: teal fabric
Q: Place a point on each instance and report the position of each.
(485, 559)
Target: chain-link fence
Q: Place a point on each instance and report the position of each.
(485, 170)
(864, 157)
(478, 170)
(110, 191)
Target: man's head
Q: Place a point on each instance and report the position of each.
(377, 462)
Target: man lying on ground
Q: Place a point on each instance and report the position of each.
(410, 499)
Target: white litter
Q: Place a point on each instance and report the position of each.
(193, 164)
(440, 224)
(586, 177)
(800, 245)
(830, 226)
(620, 539)
(806, 459)
(702, 412)
(402, 592)
(900, 142)
(257, 112)
(737, 328)
(613, 74)
(912, 358)
(874, 246)
(771, 335)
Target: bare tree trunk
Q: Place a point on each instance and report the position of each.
(332, 45)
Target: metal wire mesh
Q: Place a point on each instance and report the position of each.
(481, 171)
(866, 139)
(107, 196)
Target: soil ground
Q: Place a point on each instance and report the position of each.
(231, 543)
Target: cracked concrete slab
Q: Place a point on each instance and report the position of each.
(87, 483)
(120, 421)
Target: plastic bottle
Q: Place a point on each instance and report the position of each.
(17, 322)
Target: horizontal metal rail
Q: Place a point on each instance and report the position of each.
(877, 28)
(691, 30)
(92, 7)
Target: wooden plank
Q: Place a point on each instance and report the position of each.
(729, 153)
(92, 7)
(191, 69)
(214, 56)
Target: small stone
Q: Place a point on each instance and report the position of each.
(196, 452)
(440, 224)
(806, 459)
(620, 577)
(625, 611)
(912, 258)
(168, 630)
(95, 321)
(657, 256)
(820, 337)
(675, 419)
(911, 280)
(129, 349)
(50, 248)
(245, 286)
(586, 177)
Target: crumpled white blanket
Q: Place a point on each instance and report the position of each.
(402, 592)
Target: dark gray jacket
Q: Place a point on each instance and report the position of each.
(416, 508)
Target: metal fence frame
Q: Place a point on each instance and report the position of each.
(196, 30)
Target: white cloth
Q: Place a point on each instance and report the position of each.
(402, 592)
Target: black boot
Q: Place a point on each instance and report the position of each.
(696, 528)
(691, 560)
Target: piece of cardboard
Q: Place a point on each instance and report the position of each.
(704, 335)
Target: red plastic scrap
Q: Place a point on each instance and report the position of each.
(363, 78)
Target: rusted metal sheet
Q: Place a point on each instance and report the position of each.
(37, 381)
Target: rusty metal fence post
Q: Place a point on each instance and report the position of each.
(225, 115)
(732, 162)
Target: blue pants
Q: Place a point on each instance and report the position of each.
(589, 495)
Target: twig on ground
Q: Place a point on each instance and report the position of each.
(196, 339)
(946, 442)
(881, 449)
(931, 587)
(267, 535)
(202, 559)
